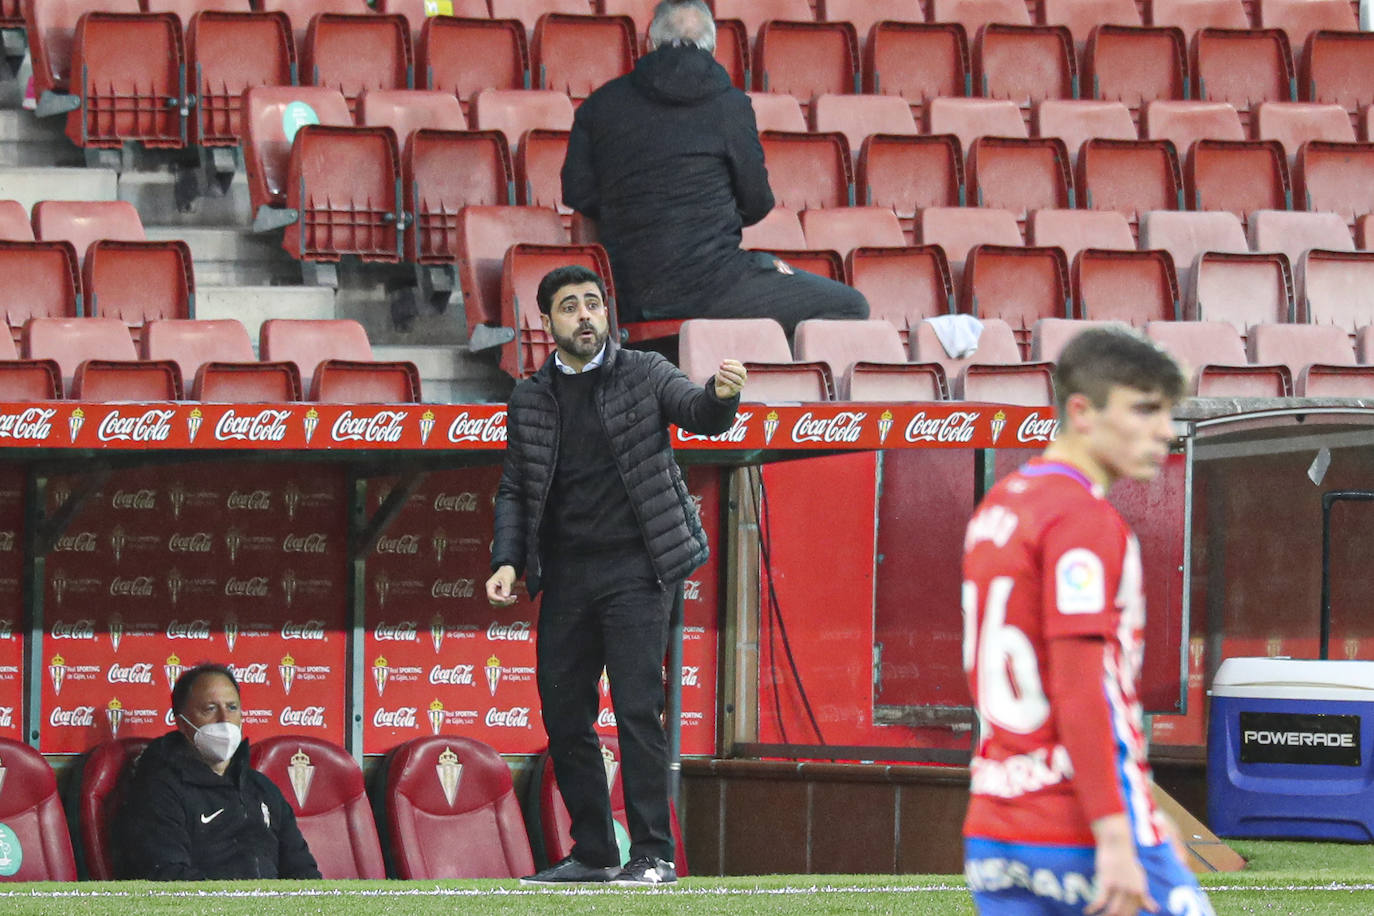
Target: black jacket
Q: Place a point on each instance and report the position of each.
(180, 821)
(637, 396)
(667, 160)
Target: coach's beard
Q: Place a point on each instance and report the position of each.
(580, 343)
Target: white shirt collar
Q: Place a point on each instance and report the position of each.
(593, 363)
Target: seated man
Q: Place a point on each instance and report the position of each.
(195, 808)
(667, 160)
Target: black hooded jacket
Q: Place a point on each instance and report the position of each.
(182, 822)
(667, 160)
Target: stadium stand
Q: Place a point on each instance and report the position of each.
(101, 783)
(31, 809)
(483, 235)
(215, 358)
(97, 360)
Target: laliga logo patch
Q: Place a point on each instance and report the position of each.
(1080, 582)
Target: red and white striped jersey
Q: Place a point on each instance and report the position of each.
(1046, 557)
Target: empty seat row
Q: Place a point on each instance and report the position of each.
(95, 359)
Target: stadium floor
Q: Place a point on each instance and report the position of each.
(1283, 878)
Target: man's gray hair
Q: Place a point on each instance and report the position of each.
(683, 23)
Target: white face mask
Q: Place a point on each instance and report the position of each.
(216, 741)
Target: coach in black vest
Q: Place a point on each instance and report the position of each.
(592, 509)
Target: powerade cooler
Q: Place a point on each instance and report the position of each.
(1290, 749)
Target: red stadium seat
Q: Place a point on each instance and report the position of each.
(1241, 289)
(324, 786)
(918, 62)
(1337, 288)
(1320, 357)
(1335, 177)
(247, 383)
(1131, 177)
(1191, 15)
(529, 11)
(513, 113)
(754, 13)
(969, 119)
(345, 184)
(39, 280)
(780, 233)
(539, 169)
(1185, 235)
(1243, 67)
(125, 69)
(807, 59)
(994, 372)
(865, 14)
(104, 778)
(761, 345)
(1184, 122)
(341, 381)
(1130, 286)
(51, 27)
(1025, 64)
(1300, 18)
(734, 53)
(1240, 176)
(83, 222)
(27, 379)
(301, 12)
(268, 140)
(1082, 16)
(1338, 68)
(444, 171)
(408, 110)
(354, 53)
(226, 53)
(808, 171)
(523, 266)
(843, 229)
(465, 56)
(871, 354)
(1294, 233)
(192, 343)
(1214, 355)
(14, 222)
(1020, 175)
(910, 173)
(138, 282)
(861, 116)
(1077, 121)
(902, 285)
(31, 809)
(957, 229)
(97, 360)
(974, 14)
(337, 357)
(1074, 230)
(1017, 285)
(773, 111)
(451, 812)
(1136, 65)
(1051, 335)
(576, 54)
(484, 234)
(418, 12)
(1295, 123)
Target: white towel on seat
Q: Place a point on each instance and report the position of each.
(958, 334)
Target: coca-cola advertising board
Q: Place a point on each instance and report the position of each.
(163, 568)
(11, 604)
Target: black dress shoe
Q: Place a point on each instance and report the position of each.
(571, 871)
(646, 871)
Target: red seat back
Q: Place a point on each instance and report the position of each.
(51, 27)
(341, 381)
(576, 54)
(1130, 286)
(345, 182)
(39, 279)
(539, 167)
(104, 779)
(408, 110)
(307, 343)
(1184, 122)
(910, 173)
(860, 116)
(273, 116)
(1024, 63)
(513, 113)
(774, 111)
(1074, 230)
(190, 344)
(1082, 16)
(865, 14)
(82, 222)
(226, 53)
(1191, 15)
(843, 229)
(1335, 177)
(354, 53)
(808, 171)
(1131, 177)
(14, 222)
(484, 234)
(72, 341)
(902, 285)
(138, 282)
(1010, 173)
(247, 383)
(969, 119)
(1136, 65)
(444, 171)
(126, 68)
(419, 12)
(1076, 121)
(754, 13)
(1334, 68)
(451, 812)
(301, 12)
(1240, 176)
(1016, 285)
(1300, 18)
(465, 56)
(807, 59)
(31, 810)
(917, 62)
(1243, 67)
(324, 786)
(1213, 351)
(529, 11)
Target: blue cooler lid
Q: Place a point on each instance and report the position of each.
(1295, 679)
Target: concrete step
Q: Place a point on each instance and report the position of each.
(451, 375)
(30, 185)
(253, 305)
(154, 194)
(233, 257)
(27, 141)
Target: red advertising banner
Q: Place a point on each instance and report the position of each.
(166, 567)
(438, 427)
(11, 604)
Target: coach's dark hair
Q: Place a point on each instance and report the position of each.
(1099, 359)
(559, 277)
(181, 690)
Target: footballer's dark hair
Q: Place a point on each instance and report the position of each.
(568, 275)
(1100, 359)
(186, 682)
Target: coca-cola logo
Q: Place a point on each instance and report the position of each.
(1037, 429)
(455, 502)
(383, 426)
(31, 425)
(253, 501)
(77, 629)
(200, 542)
(76, 717)
(453, 588)
(310, 629)
(958, 426)
(150, 426)
(456, 676)
(401, 544)
(736, 433)
(519, 631)
(135, 587)
(605, 719)
(305, 717)
(691, 590)
(81, 542)
(395, 718)
(256, 587)
(191, 629)
(137, 673)
(515, 717)
(134, 499)
(845, 426)
(316, 542)
(6, 716)
(263, 426)
(691, 675)
(405, 631)
(252, 673)
(467, 428)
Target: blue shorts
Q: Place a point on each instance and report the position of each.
(1022, 879)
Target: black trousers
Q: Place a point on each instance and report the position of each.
(762, 291)
(611, 612)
